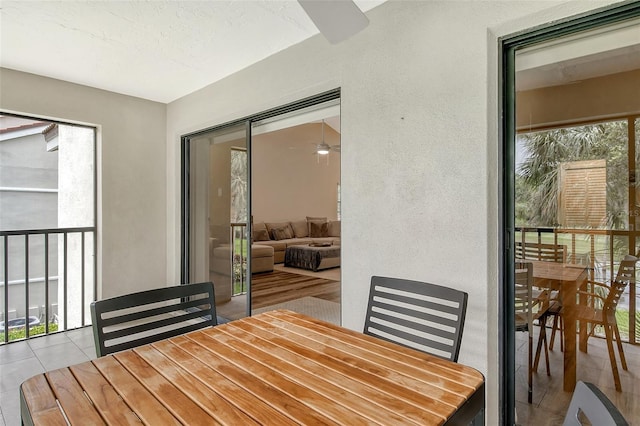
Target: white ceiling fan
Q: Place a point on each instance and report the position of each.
(337, 20)
(324, 148)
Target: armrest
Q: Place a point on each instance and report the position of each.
(600, 284)
(587, 293)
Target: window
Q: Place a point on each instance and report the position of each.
(47, 225)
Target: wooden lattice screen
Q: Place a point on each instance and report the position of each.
(582, 194)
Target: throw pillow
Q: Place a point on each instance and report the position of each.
(314, 219)
(260, 235)
(300, 229)
(281, 233)
(273, 225)
(318, 229)
(334, 228)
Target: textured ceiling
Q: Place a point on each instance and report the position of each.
(159, 50)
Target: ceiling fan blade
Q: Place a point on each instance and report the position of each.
(337, 20)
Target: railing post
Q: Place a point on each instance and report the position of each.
(82, 283)
(6, 288)
(63, 278)
(26, 286)
(65, 295)
(46, 283)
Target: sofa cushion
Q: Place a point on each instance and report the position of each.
(298, 241)
(334, 228)
(283, 233)
(273, 225)
(277, 245)
(320, 240)
(318, 229)
(261, 235)
(314, 219)
(259, 225)
(300, 228)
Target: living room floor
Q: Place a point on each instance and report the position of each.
(329, 274)
(282, 285)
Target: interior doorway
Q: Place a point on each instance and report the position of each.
(252, 189)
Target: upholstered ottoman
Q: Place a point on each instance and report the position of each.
(261, 258)
(312, 257)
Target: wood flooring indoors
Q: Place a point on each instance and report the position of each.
(272, 288)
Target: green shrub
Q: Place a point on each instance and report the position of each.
(20, 333)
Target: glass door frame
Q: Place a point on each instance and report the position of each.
(185, 184)
(508, 46)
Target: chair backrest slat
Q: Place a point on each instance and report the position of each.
(523, 296)
(419, 315)
(541, 251)
(136, 319)
(626, 275)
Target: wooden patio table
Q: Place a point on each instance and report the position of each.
(567, 278)
(275, 368)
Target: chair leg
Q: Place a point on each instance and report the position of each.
(543, 336)
(530, 371)
(554, 328)
(542, 339)
(561, 334)
(623, 360)
(558, 325)
(612, 357)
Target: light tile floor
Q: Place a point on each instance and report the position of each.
(21, 360)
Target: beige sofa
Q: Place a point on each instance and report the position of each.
(280, 235)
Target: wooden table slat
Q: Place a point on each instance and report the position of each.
(413, 358)
(77, 407)
(41, 402)
(188, 385)
(357, 395)
(183, 408)
(278, 368)
(389, 357)
(141, 401)
(314, 402)
(102, 395)
(247, 380)
(383, 378)
(233, 394)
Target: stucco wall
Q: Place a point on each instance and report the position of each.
(419, 147)
(131, 172)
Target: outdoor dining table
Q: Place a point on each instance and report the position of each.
(275, 368)
(567, 279)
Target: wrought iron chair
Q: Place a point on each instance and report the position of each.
(136, 319)
(591, 403)
(418, 315)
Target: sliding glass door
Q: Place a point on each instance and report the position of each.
(279, 166)
(571, 159)
(216, 218)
